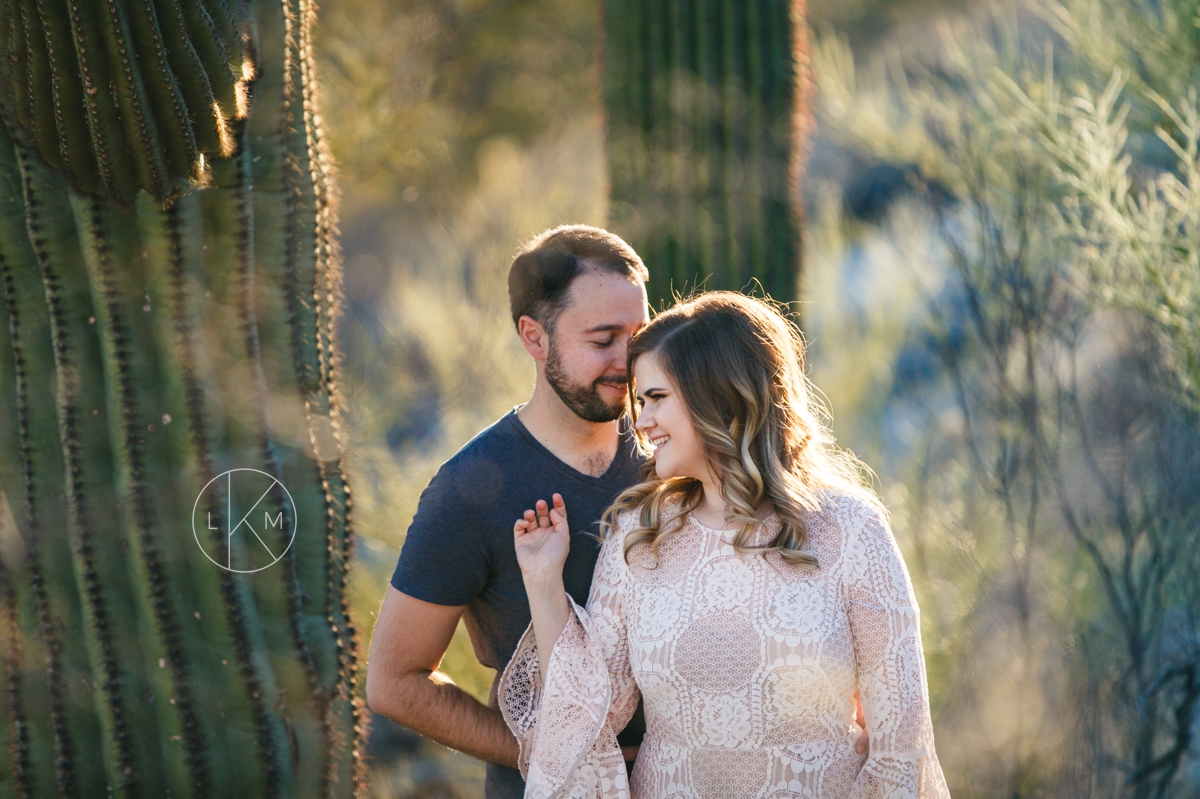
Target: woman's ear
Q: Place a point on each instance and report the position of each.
(534, 337)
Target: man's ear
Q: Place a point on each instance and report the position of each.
(535, 337)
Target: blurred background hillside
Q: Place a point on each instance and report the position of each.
(1000, 285)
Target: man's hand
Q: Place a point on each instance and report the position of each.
(864, 741)
(404, 685)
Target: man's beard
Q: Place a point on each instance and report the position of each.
(584, 401)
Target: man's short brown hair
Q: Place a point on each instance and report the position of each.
(542, 273)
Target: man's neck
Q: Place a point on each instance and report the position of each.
(588, 447)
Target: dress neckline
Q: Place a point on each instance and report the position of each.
(763, 521)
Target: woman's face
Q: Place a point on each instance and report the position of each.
(664, 419)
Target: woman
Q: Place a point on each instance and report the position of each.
(746, 589)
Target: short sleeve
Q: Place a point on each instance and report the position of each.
(444, 559)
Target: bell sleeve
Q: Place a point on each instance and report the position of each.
(566, 722)
(885, 625)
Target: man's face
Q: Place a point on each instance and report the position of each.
(585, 364)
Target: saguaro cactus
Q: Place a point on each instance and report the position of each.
(706, 111)
(170, 287)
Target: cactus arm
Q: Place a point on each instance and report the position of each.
(348, 712)
(224, 83)
(255, 249)
(141, 131)
(719, 84)
(244, 679)
(16, 102)
(162, 86)
(103, 116)
(293, 229)
(793, 121)
(70, 116)
(229, 232)
(40, 87)
(751, 194)
(232, 228)
(56, 600)
(278, 104)
(708, 136)
(230, 26)
(19, 781)
(189, 72)
(131, 736)
(34, 677)
(112, 252)
(26, 767)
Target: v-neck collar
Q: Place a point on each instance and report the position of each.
(613, 468)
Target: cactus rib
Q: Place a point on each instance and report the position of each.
(162, 85)
(191, 76)
(103, 116)
(75, 146)
(95, 222)
(41, 236)
(63, 763)
(141, 132)
(231, 597)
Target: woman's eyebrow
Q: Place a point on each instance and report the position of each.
(651, 390)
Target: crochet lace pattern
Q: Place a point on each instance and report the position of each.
(748, 667)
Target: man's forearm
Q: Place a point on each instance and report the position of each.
(432, 705)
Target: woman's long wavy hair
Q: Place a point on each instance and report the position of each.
(738, 365)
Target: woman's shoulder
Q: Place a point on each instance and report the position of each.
(852, 502)
(847, 513)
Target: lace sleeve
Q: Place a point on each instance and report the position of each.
(567, 724)
(885, 623)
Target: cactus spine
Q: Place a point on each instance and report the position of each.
(170, 285)
(706, 112)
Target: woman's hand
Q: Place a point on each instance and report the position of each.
(542, 540)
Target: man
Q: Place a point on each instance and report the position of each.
(577, 295)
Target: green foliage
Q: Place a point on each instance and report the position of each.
(1046, 387)
(415, 88)
(149, 348)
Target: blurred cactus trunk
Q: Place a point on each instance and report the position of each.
(169, 289)
(707, 116)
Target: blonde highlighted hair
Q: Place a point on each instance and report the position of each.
(738, 365)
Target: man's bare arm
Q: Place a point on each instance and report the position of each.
(403, 683)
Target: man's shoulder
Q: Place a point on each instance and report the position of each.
(497, 436)
(496, 442)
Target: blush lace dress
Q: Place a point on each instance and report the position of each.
(747, 666)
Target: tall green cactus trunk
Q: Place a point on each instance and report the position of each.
(706, 105)
(153, 340)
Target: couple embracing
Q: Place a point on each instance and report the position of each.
(685, 585)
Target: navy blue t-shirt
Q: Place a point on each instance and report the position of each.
(459, 548)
